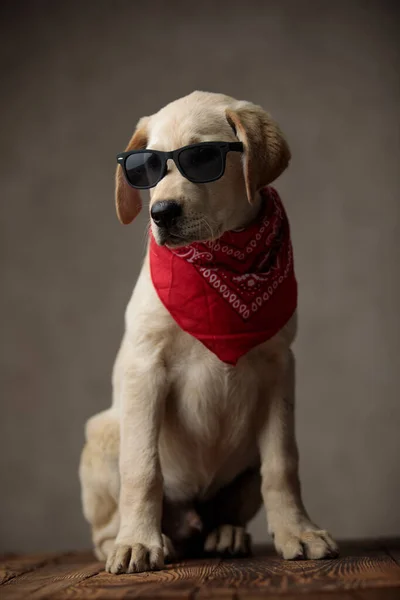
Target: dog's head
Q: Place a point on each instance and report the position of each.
(204, 211)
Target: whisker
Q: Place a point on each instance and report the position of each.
(214, 234)
(145, 237)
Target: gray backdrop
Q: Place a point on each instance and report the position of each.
(76, 76)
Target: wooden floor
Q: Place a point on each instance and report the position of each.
(365, 571)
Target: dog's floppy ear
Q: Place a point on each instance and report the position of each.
(267, 153)
(127, 199)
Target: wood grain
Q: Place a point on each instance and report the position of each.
(178, 581)
(50, 579)
(369, 571)
(11, 565)
(273, 574)
(375, 594)
(254, 595)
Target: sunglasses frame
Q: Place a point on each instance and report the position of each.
(224, 148)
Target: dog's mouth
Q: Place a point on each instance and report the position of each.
(178, 243)
(179, 236)
(175, 241)
(170, 239)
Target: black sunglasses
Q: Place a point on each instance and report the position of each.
(200, 163)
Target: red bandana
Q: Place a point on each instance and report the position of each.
(235, 292)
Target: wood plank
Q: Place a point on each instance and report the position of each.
(359, 569)
(393, 549)
(50, 579)
(14, 565)
(375, 594)
(175, 581)
(213, 593)
(364, 572)
(395, 554)
(253, 595)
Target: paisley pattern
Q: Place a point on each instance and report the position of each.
(246, 267)
(235, 292)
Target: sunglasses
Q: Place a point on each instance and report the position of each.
(199, 163)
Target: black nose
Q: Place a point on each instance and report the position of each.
(165, 212)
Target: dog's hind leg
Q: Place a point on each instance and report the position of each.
(227, 514)
(99, 476)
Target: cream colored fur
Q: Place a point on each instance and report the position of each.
(182, 423)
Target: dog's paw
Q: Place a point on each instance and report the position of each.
(134, 558)
(228, 539)
(300, 544)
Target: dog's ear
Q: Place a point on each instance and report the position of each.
(127, 199)
(266, 151)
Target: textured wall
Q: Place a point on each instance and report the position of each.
(76, 76)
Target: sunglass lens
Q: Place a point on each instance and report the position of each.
(201, 163)
(143, 169)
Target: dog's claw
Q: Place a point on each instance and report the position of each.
(309, 544)
(228, 540)
(134, 558)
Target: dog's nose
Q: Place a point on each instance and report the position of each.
(165, 212)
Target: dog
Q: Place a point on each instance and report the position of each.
(200, 433)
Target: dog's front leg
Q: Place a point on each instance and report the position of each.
(295, 536)
(138, 546)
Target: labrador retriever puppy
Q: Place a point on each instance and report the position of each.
(201, 428)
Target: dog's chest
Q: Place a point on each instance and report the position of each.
(210, 427)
